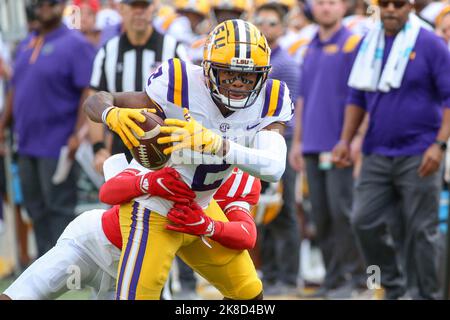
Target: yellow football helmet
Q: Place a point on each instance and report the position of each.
(201, 7)
(236, 46)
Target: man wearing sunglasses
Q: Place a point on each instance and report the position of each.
(323, 90)
(401, 79)
(51, 75)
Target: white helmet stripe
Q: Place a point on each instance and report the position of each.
(242, 39)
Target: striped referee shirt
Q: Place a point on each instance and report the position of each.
(121, 67)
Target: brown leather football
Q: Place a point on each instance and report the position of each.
(149, 153)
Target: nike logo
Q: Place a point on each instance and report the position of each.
(159, 181)
(144, 184)
(202, 220)
(251, 127)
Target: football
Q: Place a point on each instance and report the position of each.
(149, 153)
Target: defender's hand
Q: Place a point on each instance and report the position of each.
(191, 135)
(166, 183)
(123, 122)
(191, 220)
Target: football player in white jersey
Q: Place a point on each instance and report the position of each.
(235, 118)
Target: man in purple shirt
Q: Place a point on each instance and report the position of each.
(52, 70)
(318, 122)
(403, 150)
(280, 244)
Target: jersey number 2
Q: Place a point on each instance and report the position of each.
(201, 180)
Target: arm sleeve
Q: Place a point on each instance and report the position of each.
(266, 160)
(122, 188)
(239, 233)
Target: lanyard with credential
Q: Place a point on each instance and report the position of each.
(36, 43)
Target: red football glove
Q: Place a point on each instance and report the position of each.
(166, 183)
(190, 220)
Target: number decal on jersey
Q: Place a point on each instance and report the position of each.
(204, 177)
(155, 75)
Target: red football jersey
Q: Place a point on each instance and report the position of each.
(241, 189)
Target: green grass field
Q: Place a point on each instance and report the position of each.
(83, 294)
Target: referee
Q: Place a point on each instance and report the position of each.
(125, 62)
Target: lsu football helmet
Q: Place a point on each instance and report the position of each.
(236, 46)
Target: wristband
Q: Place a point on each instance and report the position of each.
(441, 144)
(105, 114)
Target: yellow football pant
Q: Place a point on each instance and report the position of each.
(149, 249)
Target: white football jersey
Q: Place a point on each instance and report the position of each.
(176, 84)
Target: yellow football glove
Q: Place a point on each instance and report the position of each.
(123, 122)
(190, 135)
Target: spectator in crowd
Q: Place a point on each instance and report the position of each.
(221, 10)
(300, 31)
(427, 10)
(109, 21)
(357, 18)
(409, 124)
(280, 244)
(318, 123)
(49, 84)
(88, 12)
(186, 25)
(108, 15)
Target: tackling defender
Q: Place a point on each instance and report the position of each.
(230, 94)
(91, 244)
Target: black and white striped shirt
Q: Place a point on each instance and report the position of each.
(120, 66)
